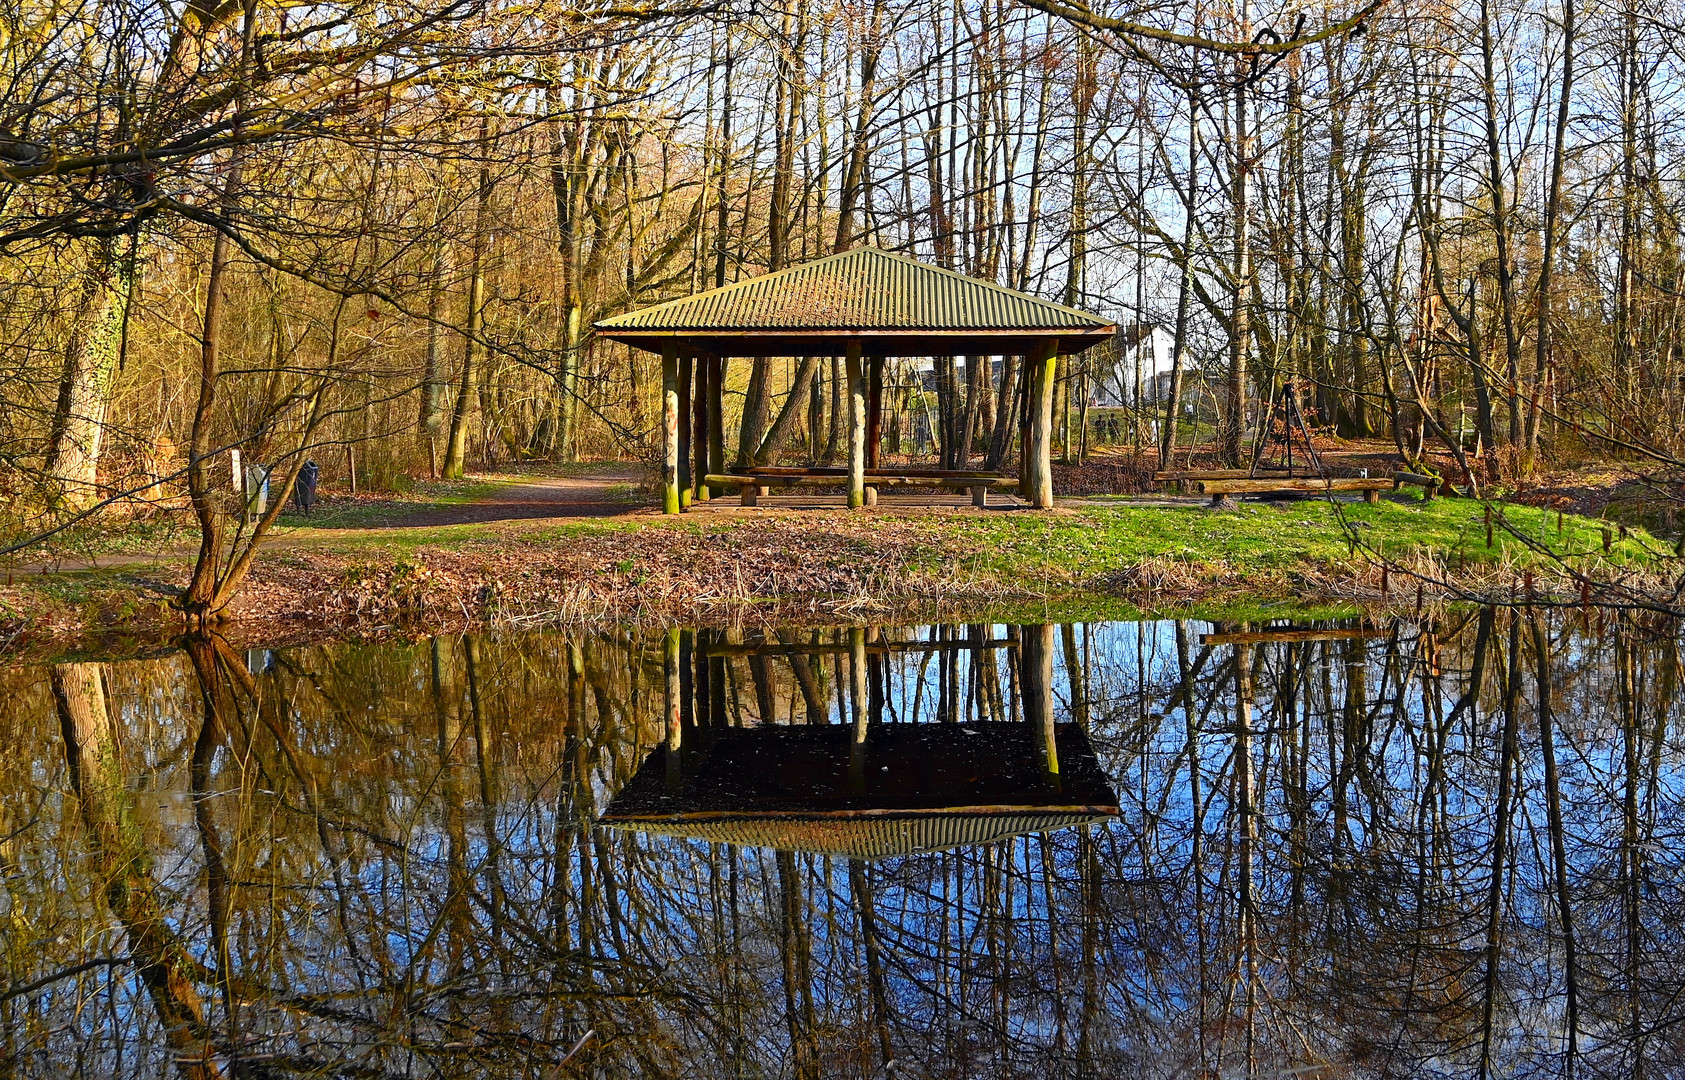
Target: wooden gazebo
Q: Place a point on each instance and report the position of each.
(864, 305)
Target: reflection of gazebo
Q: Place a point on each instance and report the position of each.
(864, 305)
(866, 788)
(905, 789)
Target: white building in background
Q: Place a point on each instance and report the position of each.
(1140, 364)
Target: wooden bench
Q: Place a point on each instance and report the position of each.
(1261, 485)
(1179, 479)
(752, 485)
(1167, 475)
(1430, 485)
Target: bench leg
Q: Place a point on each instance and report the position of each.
(1371, 495)
(871, 494)
(980, 497)
(751, 494)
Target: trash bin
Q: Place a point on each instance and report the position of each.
(257, 491)
(304, 488)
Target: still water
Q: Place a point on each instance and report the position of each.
(1175, 849)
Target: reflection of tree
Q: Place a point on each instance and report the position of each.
(1389, 854)
(124, 866)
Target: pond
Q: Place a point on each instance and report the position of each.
(1446, 847)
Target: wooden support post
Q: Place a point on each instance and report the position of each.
(699, 428)
(687, 678)
(856, 427)
(980, 497)
(716, 692)
(1037, 482)
(874, 420)
(874, 412)
(1371, 496)
(857, 702)
(716, 414)
(669, 426)
(701, 670)
(1023, 401)
(675, 727)
(686, 378)
(1036, 677)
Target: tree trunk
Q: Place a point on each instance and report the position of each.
(90, 364)
(432, 412)
(566, 177)
(1553, 210)
(456, 451)
(1240, 329)
(852, 195)
(1501, 238)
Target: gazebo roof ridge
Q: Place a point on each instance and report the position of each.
(866, 292)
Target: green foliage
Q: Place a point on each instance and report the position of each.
(1281, 536)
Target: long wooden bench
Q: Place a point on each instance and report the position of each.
(1179, 479)
(838, 471)
(1371, 488)
(1430, 485)
(752, 485)
(1171, 475)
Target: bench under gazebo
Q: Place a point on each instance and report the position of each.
(864, 305)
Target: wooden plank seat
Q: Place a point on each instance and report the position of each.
(834, 470)
(753, 483)
(1371, 488)
(1170, 475)
(1180, 479)
(1430, 485)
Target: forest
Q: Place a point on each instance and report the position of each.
(377, 235)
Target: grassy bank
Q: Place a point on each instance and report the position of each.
(1096, 560)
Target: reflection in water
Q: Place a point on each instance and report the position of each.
(860, 787)
(1417, 850)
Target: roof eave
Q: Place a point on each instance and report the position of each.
(873, 342)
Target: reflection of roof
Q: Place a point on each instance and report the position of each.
(863, 293)
(864, 836)
(909, 788)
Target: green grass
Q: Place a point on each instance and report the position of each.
(1279, 536)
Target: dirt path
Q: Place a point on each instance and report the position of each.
(537, 499)
(542, 497)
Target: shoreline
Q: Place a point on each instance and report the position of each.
(809, 567)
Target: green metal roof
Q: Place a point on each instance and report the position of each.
(863, 293)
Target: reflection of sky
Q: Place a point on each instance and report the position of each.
(419, 864)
